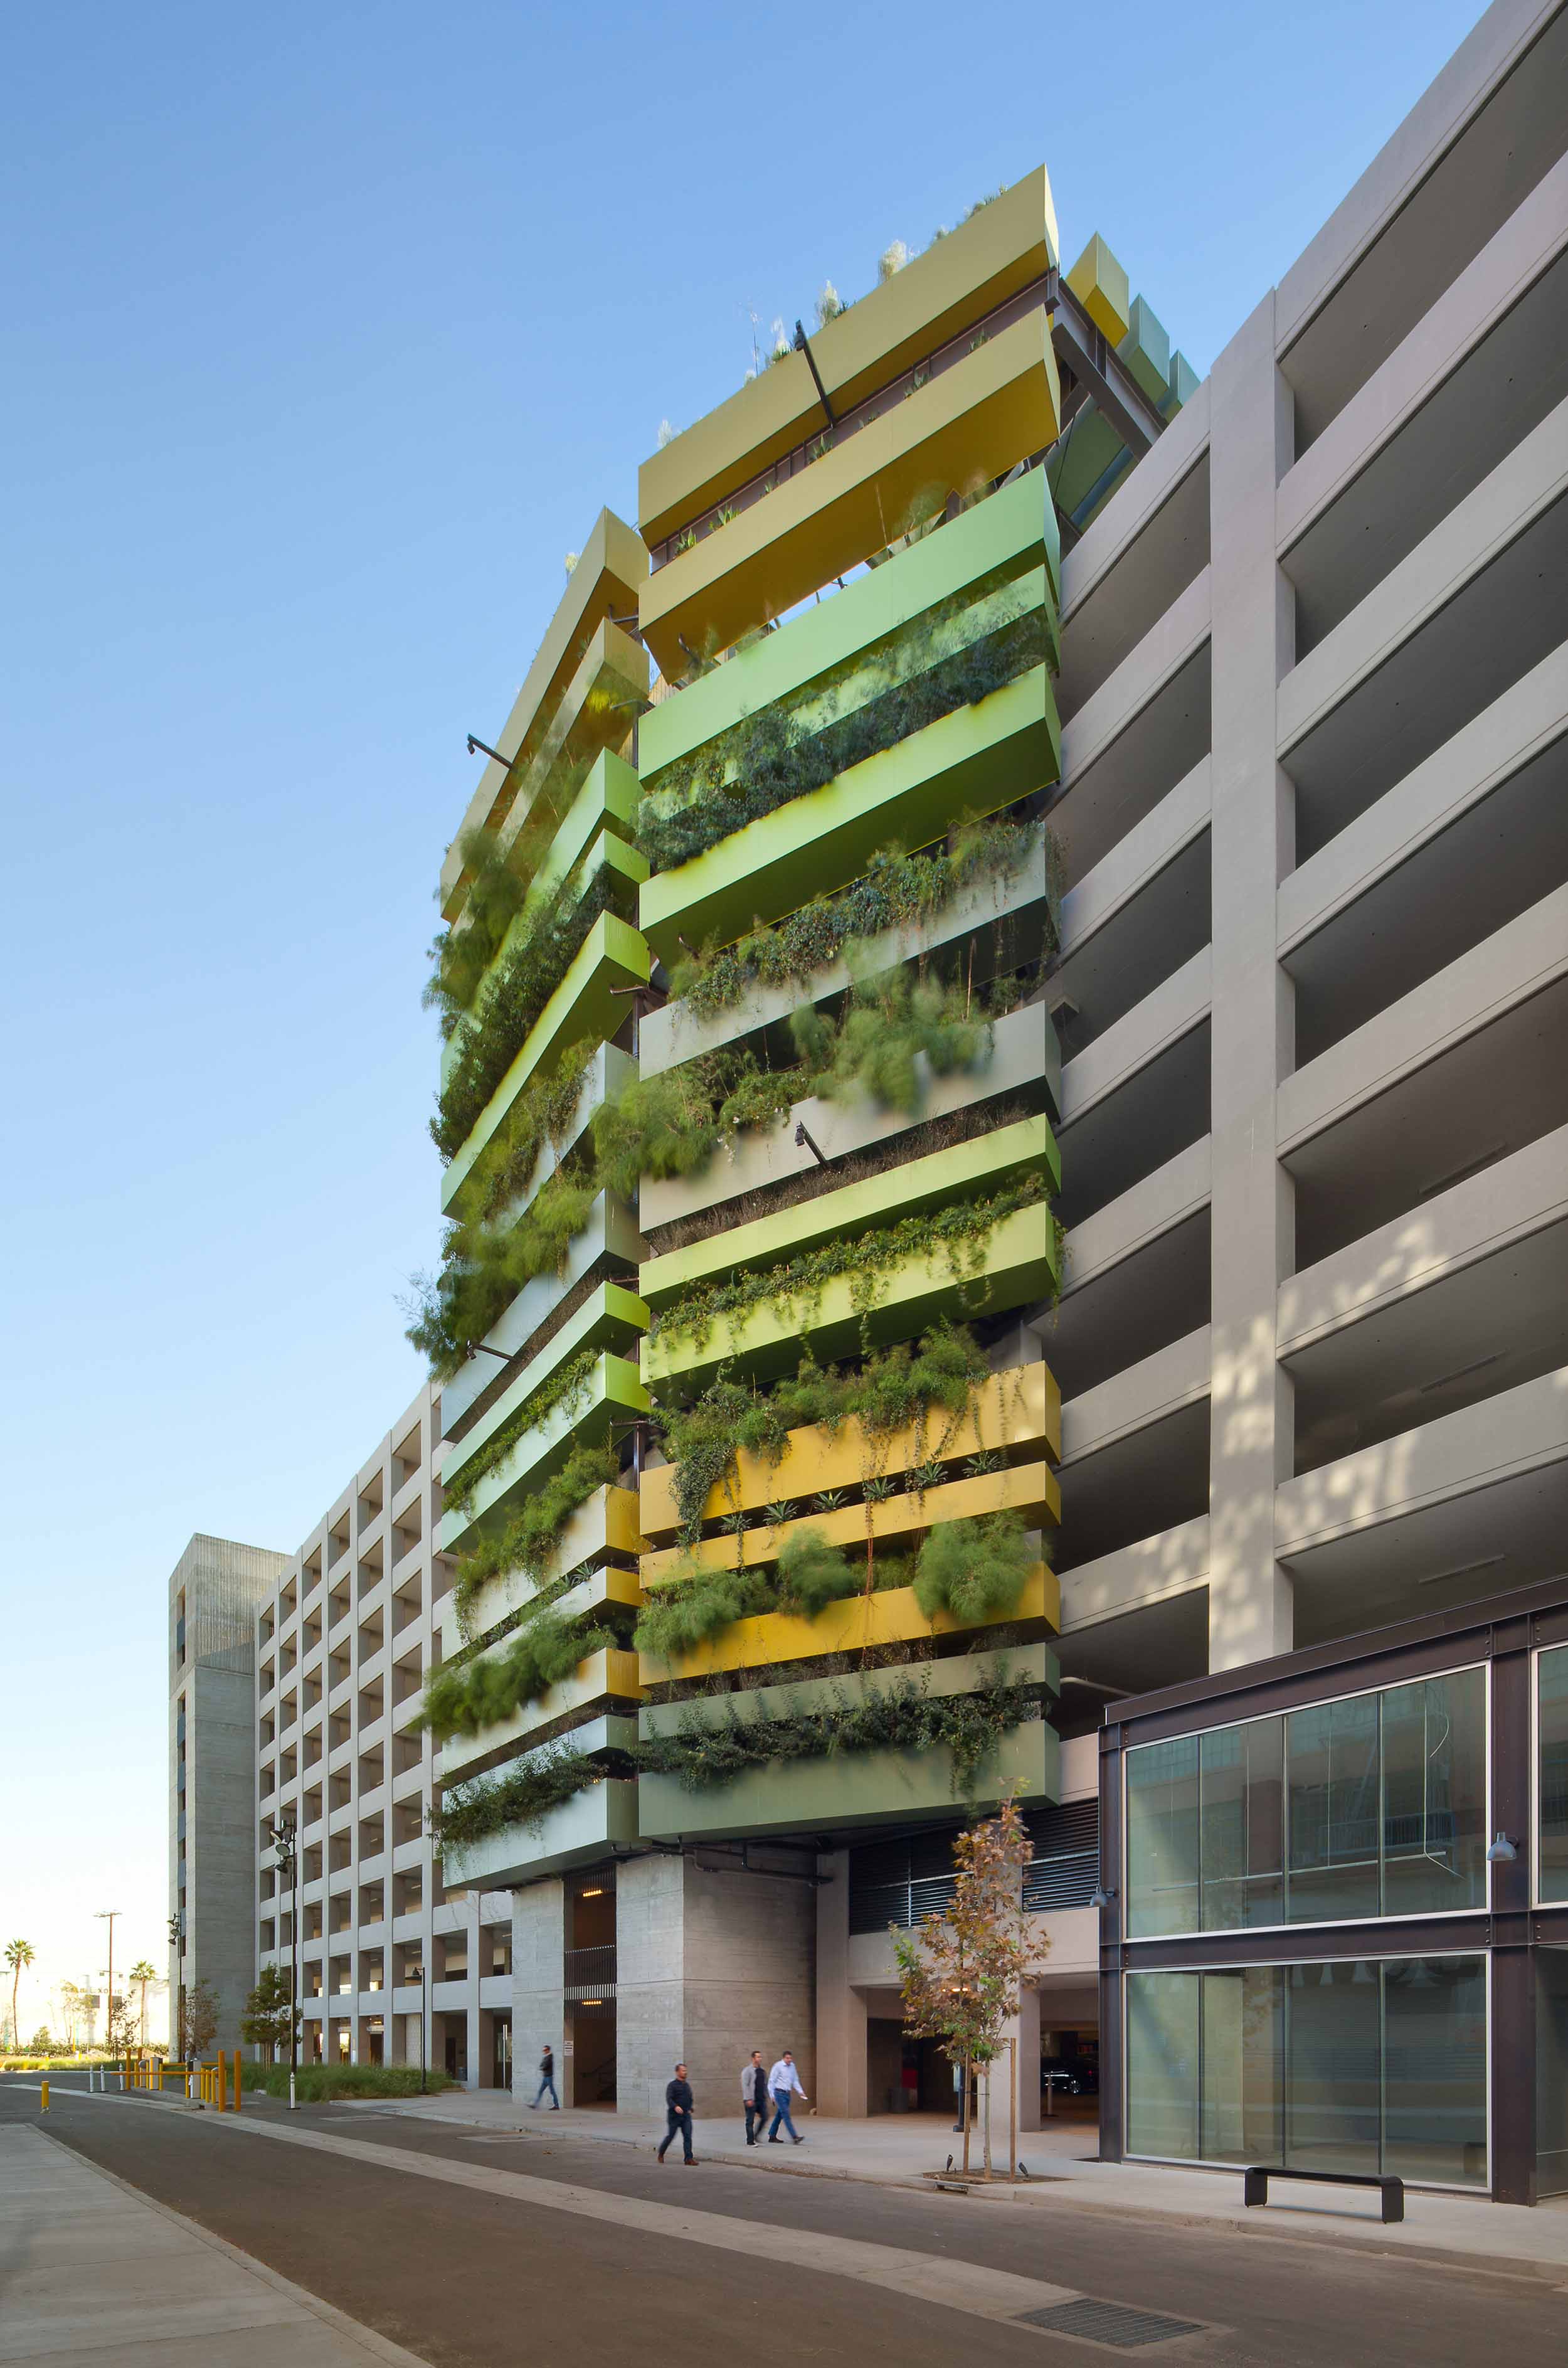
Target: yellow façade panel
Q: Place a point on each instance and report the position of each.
(1027, 1489)
(1005, 247)
(993, 408)
(1015, 1408)
(1101, 287)
(857, 1623)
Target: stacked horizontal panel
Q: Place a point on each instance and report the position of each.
(535, 1321)
(849, 1605)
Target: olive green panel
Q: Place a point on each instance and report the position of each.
(600, 1819)
(850, 1788)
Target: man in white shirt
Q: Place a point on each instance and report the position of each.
(784, 2081)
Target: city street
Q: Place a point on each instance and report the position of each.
(471, 2248)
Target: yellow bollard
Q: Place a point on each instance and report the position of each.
(46, 2095)
(223, 2082)
(236, 2079)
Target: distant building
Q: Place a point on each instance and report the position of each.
(215, 1592)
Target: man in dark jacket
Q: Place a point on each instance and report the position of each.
(677, 2102)
(753, 2094)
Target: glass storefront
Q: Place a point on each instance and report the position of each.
(1376, 2065)
(1551, 1743)
(1374, 1806)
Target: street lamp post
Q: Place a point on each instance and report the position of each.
(417, 1975)
(176, 1944)
(285, 1845)
(107, 1915)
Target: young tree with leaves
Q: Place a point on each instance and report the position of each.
(200, 2023)
(269, 2014)
(18, 1954)
(961, 1970)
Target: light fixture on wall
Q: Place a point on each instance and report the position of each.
(1100, 1896)
(1503, 1850)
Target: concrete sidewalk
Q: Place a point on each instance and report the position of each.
(898, 2149)
(91, 2273)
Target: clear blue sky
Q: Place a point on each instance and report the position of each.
(327, 330)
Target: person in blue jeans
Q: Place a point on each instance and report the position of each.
(784, 2082)
(547, 2080)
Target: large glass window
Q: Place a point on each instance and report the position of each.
(1363, 2065)
(1162, 2064)
(1374, 1806)
(1552, 1874)
(1162, 1836)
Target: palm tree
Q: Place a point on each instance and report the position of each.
(141, 1972)
(18, 1954)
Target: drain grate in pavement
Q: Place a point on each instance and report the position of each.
(1110, 2323)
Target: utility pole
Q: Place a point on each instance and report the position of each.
(417, 1975)
(107, 1915)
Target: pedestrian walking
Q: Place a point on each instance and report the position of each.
(783, 2082)
(547, 2080)
(678, 2104)
(754, 2095)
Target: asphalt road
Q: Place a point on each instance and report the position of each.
(469, 2279)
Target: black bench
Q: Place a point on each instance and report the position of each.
(1254, 2186)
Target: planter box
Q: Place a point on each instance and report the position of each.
(589, 1826)
(985, 1165)
(1027, 1489)
(606, 1675)
(612, 1318)
(1001, 538)
(998, 252)
(964, 1674)
(605, 1524)
(850, 1788)
(595, 716)
(613, 1394)
(850, 1626)
(1009, 922)
(607, 577)
(610, 1233)
(606, 807)
(1017, 1063)
(611, 955)
(1016, 1409)
(973, 422)
(968, 763)
(1020, 1267)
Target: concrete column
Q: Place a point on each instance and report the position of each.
(1025, 2028)
(1251, 844)
(539, 1941)
(478, 2070)
(841, 2010)
(711, 1961)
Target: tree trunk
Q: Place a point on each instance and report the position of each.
(966, 2117)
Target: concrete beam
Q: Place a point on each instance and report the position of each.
(1511, 965)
